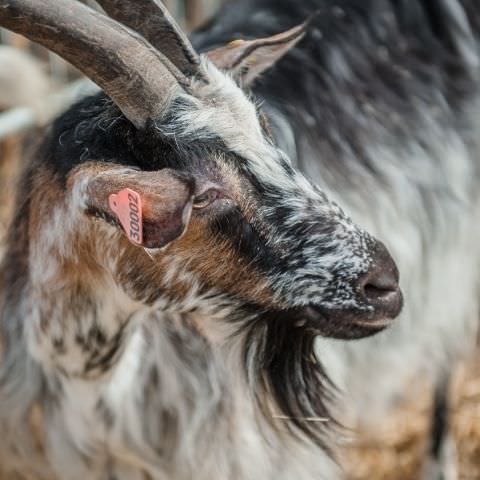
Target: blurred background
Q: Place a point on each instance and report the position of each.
(35, 85)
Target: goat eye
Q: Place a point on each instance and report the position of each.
(205, 199)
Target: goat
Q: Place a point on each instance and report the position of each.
(168, 270)
(378, 105)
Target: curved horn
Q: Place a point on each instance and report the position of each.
(152, 20)
(122, 63)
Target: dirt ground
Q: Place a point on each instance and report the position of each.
(400, 451)
(465, 419)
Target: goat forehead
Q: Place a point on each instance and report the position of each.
(221, 111)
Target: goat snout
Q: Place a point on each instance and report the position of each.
(378, 300)
(379, 287)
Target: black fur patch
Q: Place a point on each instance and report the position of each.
(281, 366)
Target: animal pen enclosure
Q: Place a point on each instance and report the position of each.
(35, 84)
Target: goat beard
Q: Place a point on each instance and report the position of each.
(286, 377)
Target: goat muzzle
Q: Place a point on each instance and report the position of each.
(379, 300)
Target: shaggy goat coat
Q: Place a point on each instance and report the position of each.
(188, 353)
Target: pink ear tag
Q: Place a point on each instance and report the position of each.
(127, 206)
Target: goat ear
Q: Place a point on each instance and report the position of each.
(246, 60)
(152, 208)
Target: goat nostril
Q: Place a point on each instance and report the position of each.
(381, 281)
(380, 286)
(382, 292)
(374, 291)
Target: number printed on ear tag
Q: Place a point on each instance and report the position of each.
(127, 206)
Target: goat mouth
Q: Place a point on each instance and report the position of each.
(380, 323)
(348, 324)
(367, 328)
